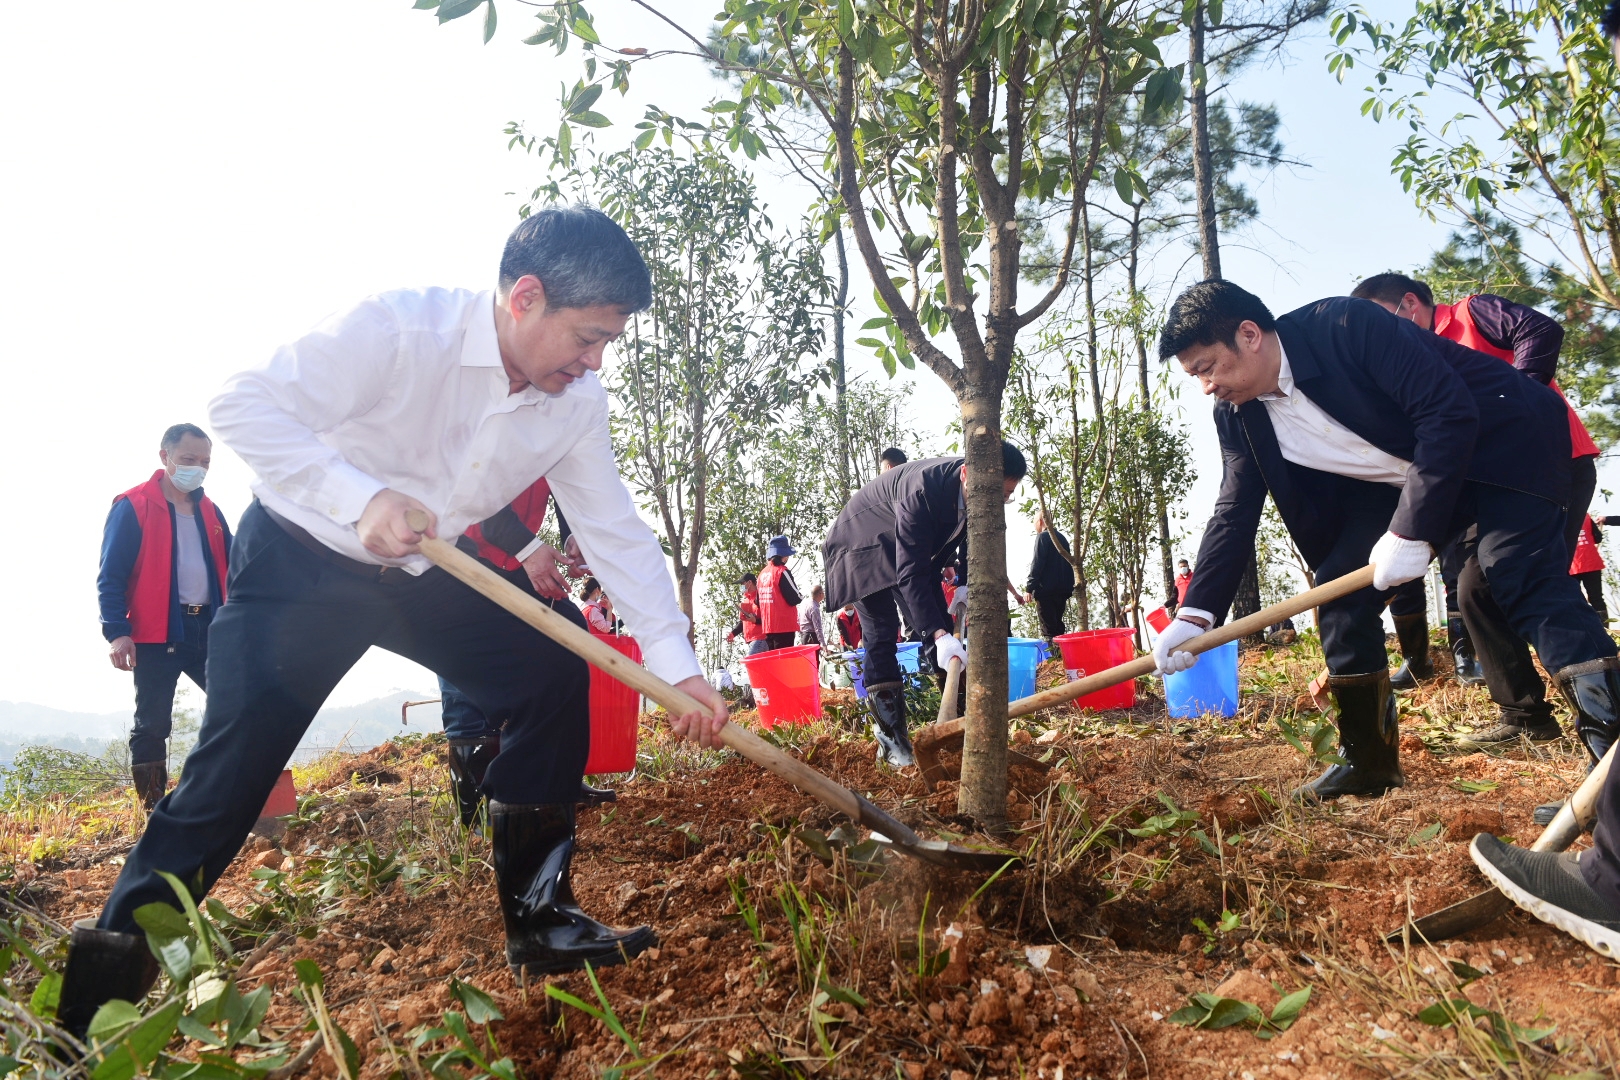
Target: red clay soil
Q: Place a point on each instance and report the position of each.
(1068, 968)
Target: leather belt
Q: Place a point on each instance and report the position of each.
(194, 609)
(382, 575)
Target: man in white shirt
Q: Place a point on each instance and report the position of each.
(1379, 442)
(448, 402)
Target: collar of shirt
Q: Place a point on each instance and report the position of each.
(1285, 376)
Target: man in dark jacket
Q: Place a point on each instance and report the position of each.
(164, 555)
(886, 548)
(1051, 578)
(1530, 341)
(1379, 442)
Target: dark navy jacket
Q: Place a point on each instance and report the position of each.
(121, 545)
(1456, 414)
(897, 533)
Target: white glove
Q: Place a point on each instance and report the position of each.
(1397, 560)
(1166, 657)
(947, 648)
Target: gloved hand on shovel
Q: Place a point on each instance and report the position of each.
(948, 647)
(1188, 624)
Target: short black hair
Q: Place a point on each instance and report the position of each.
(1611, 20)
(581, 256)
(590, 585)
(171, 437)
(746, 578)
(896, 456)
(1209, 313)
(1012, 461)
(1390, 287)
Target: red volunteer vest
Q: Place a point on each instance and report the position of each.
(150, 588)
(530, 507)
(1587, 556)
(776, 615)
(1453, 321)
(749, 610)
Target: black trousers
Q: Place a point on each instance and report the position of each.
(880, 627)
(784, 640)
(293, 626)
(158, 668)
(1514, 561)
(1052, 607)
(1592, 583)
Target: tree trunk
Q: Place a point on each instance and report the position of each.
(840, 383)
(1247, 600)
(983, 792)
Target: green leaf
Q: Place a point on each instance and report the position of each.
(112, 1019)
(192, 1028)
(583, 29)
(135, 1051)
(47, 995)
(1474, 787)
(1425, 834)
(489, 22)
(846, 19)
(481, 1008)
(455, 9)
(162, 922)
(1123, 186)
(1466, 972)
(309, 974)
(8, 1065)
(1289, 1007)
(592, 119)
(425, 5)
(1213, 12)
(1190, 1015)
(1230, 1011)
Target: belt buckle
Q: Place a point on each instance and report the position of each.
(193, 609)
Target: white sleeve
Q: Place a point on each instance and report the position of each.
(623, 553)
(270, 414)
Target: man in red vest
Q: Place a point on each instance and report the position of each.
(164, 555)
(779, 597)
(1530, 341)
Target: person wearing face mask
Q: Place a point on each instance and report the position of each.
(1380, 442)
(164, 555)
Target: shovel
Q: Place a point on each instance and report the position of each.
(1486, 907)
(1249, 624)
(474, 573)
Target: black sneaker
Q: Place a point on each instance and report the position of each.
(1549, 886)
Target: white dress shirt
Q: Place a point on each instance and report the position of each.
(406, 390)
(1308, 436)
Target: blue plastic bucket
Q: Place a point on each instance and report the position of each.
(1024, 655)
(854, 660)
(1209, 686)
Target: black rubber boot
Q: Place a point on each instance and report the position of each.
(1469, 673)
(102, 965)
(151, 782)
(533, 847)
(888, 703)
(1593, 691)
(596, 796)
(1412, 632)
(1369, 740)
(469, 760)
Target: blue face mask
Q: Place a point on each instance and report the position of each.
(188, 478)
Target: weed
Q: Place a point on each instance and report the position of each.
(1215, 1012)
(466, 1053)
(603, 1013)
(1312, 737)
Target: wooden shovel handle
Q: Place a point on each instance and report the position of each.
(464, 567)
(1249, 624)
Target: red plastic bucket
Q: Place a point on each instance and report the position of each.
(615, 713)
(1087, 652)
(786, 685)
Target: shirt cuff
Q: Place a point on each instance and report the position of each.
(671, 659)
(1197, 613)
(529, 549)
(345, 492)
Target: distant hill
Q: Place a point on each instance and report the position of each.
(356, 727)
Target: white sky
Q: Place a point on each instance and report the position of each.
(185, 186)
